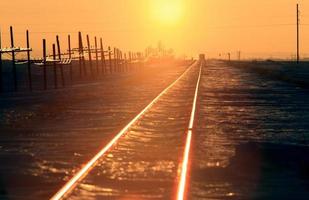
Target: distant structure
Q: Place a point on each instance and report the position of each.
(202, 57)
(159, 52)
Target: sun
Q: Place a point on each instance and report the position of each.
(167, 12)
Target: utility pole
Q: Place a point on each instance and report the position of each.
(297, 33)
(1, 87)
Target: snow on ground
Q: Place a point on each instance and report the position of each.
(45, 136)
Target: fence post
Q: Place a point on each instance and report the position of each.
(110, 59)
(122, 63)
(70, 57)
(59, 56)
(141, 61)
(119, 60)
(89, 54)
(55, 67)
(44, 64)
(102, 57)
(82, 53)
(135, 61)
(13, 59)
(29, 60)
(125, 63)
(115, 60)
(96, 53)
(130, 60)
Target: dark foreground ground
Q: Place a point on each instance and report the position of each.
(45, 136)
(252, 133)
(251, 139)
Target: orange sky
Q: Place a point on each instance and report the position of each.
(257, 28)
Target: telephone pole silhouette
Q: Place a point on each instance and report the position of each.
(297, 33)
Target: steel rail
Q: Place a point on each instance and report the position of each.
(82, 173)
(185, 162)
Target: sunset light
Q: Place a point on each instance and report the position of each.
(167, 12)
(154, 99)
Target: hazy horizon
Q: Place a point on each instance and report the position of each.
(189, 27)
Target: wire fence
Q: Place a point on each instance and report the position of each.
(19, 71)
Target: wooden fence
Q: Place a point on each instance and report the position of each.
(62, 68)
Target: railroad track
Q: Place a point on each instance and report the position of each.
(149, 157)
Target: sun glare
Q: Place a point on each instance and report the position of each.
(167, 12)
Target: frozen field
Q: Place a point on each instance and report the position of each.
(250, 139)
